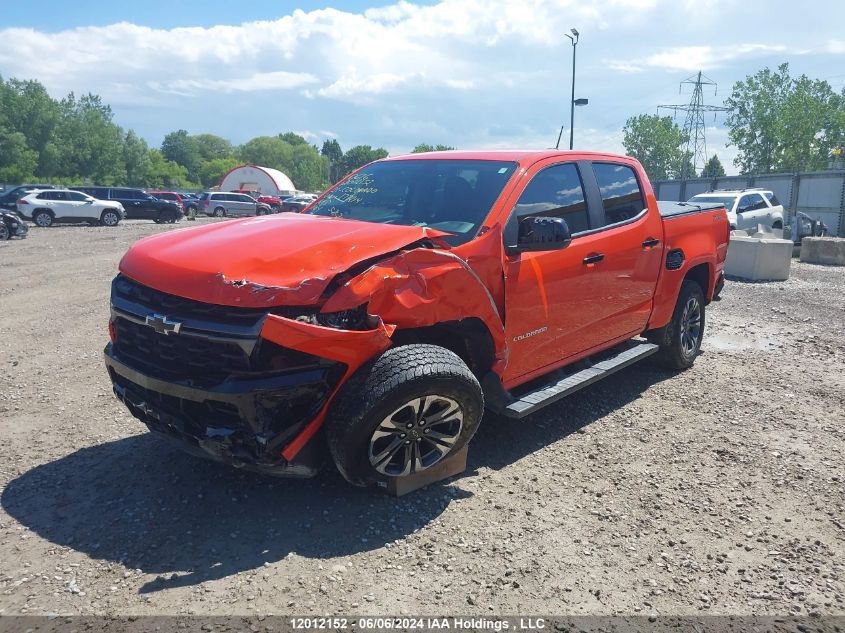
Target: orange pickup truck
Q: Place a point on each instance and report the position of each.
(376, 327)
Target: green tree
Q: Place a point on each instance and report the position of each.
(781, 123)
(136, 158)
(166, 174)
(181, 148)
(359, 156)
(425, 147)
(331, 150)
(655, 141)
(267, 151)
(291, 138)
(211, 146)
(308, 169)
(713, 168)
(212, 171)
(17, 161)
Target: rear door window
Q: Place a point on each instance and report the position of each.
(621, 195)
(751, 202)
(772, 198)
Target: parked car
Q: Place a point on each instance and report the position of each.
(746, 207)
(170, 196)
(274, 202)
(226, 204)
(298, 203)
(139, 205)
(378, 325)
(53, 206)
(9, 197)
(191, 202)
(11, 225)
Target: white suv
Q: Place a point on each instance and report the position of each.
(747, 207)
(45, 207)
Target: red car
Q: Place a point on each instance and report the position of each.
(273, 202)
(375, 328)
(172, 196)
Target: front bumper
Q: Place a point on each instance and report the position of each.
(245, 423)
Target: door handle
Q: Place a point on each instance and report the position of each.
(593, 259)
(651, 242)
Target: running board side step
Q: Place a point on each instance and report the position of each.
(538, 398)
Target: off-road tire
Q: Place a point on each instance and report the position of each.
(377, 389)
(673, 354)
(42, 218)
(5, 233)
(109, 217)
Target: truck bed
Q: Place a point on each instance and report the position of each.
(669, 209)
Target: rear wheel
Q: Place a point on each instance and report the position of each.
(412, 407)
(219, 212)
(680, 340)
(109, 217)
(5, 233)
(42, 218)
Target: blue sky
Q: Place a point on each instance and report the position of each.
(468, 73)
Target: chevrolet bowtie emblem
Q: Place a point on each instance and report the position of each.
(160, 324)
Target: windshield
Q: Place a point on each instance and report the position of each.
(728, 201)
(449, 195)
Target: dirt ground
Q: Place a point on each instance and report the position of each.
(718, 490)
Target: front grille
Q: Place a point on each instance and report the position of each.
(198, 360)
(171, 305)
(215, 342)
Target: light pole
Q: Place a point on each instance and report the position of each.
(574, 39)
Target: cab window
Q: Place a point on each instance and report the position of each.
(621, 195)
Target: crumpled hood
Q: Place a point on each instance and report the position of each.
(286, 259)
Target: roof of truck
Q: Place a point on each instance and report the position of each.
(519, 155)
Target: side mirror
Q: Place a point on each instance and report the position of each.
(538, 233)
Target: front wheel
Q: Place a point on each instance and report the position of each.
(42, 218)
(5, 233)
(412, 407)
(680, 340)
(109, 217)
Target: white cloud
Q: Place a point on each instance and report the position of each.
(278, 80)
(690, 58)
(837, 47)
(469, 73)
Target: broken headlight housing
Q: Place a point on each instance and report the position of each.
(354, 319)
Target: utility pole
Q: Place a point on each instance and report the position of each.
(694, 151)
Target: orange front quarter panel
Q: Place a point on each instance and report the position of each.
(353, 348)
(424, 287)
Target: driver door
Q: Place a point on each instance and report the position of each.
(549, 295)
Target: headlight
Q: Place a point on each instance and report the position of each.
(354, 319)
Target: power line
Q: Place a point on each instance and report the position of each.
(695, 143)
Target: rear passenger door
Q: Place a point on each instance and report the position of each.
(629, 241)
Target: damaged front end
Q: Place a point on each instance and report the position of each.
(237, 385)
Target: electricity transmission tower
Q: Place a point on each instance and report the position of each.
(694, 153)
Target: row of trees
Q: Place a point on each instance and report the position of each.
(777, 122)
(75, 140)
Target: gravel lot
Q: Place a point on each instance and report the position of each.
(719, 490)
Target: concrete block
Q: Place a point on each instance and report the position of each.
(823, 250)
(757, 259)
